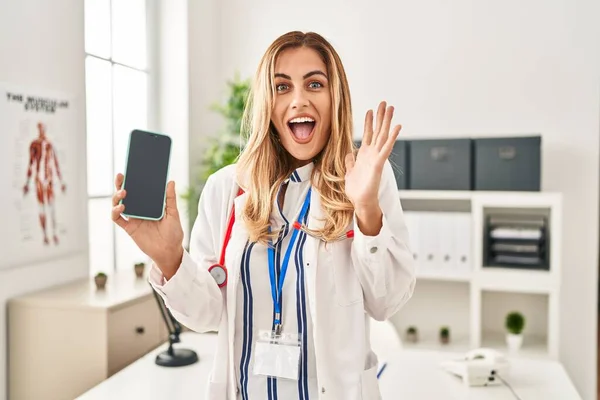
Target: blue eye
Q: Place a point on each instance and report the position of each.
(315, 83)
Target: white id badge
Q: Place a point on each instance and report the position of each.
(277, 356)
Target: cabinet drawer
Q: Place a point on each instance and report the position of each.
(132, 332)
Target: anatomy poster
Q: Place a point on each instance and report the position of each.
(39, 176)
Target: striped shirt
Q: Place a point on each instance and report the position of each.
(255, 308)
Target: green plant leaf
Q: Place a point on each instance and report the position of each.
(515, 322)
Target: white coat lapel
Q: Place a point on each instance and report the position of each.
(235, 249)
(315, 221)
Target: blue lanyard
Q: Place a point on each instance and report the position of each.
(276, 290)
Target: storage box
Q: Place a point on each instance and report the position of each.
(399, 160)
(440, 164)
(511, 163)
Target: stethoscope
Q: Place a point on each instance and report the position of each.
(219, 271)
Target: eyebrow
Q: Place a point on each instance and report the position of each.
(307, 75)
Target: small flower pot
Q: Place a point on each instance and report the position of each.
(445, 336)
(412, 337)
(100, 281)
(139, 270)
(514, 342)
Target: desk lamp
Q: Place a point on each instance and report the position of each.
(173, 357)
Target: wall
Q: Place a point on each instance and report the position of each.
(451, 69)
(45, 45)
(173, 89)
(206, 80)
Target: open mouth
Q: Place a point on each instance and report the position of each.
(302, 128)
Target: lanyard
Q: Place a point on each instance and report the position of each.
(277, 289)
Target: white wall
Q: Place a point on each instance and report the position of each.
(206, 80)
(451, 69)
(42, 45)
(173, 89)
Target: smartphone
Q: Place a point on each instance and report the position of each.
(146, 174)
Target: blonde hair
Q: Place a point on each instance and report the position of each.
(264, 164)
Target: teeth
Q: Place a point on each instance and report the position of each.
(301, 119)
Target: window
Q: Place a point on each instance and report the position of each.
(118, 88)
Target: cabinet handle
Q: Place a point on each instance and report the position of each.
(140, 330)
(507, 152)
(439, 153)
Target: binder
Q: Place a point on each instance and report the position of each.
(412, 224)
(429, 242)
(446, 257)
(464, 237)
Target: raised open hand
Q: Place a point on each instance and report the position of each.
(161, 240)
(363, 174)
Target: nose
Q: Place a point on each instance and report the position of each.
(300, 99)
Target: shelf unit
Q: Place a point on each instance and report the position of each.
(473, 302)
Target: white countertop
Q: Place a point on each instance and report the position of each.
(122, 288)
(410, 374)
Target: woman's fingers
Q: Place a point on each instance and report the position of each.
(385, 128)
(171, 206)
(118, 196)
(380, 116)
(349, 161)
(117, 217)
(119, 181)
(387, 148)
(368, 132)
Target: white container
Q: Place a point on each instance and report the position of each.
(514, 342)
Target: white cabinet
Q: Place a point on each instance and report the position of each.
(455, 286)
(67, 339)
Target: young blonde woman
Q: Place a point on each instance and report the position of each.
(295, 246)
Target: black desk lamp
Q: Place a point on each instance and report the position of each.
(173, 357)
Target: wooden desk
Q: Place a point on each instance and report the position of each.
(410, 375)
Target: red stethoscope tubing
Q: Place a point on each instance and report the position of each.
(228, 232)
(221, 263)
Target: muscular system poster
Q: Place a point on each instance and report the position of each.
(38, 177)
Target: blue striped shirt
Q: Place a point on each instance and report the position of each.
(255, 309)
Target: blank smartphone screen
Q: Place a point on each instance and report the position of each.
(146, 174)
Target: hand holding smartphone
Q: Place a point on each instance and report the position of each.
(148, 200)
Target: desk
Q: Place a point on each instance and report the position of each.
(410, 375)
(415, 374)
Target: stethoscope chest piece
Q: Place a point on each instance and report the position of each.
(219, 274)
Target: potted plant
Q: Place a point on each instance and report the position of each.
(412, 334)
(224, 148)
(139, 269)
(515, 323)
(444, 334)
(100, 280)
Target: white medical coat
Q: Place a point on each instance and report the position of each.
(347, 282)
